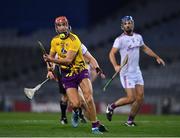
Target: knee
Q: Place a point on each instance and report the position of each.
(88, 95)
(64, 98)
(75, 104)
(140, 98)
(88, 98)
(130, 100)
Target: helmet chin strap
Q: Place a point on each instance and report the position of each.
(129, 32)
(63, 35)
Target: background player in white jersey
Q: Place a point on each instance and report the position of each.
(129, 43)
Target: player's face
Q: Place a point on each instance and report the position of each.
(62, 27)
(128, 26)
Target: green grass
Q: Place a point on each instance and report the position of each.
(47, 124)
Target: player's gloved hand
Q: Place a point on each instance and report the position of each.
(100, 72)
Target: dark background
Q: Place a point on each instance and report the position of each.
(97, 23)
(34, 14)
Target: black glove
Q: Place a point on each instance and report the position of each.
(99, 70)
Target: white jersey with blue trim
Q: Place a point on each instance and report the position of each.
(84, 49)
(129, 45)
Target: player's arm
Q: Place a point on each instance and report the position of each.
(113, 60)
(62, 61)
(93, 63)
(151, 53)
(91, 60)
(50, 66)
(70, 55)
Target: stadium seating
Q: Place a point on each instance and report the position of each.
(22, 64)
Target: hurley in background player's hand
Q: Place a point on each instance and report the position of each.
(117, 68)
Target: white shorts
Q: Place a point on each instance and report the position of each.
(129, 81)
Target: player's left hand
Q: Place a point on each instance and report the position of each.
(160, 61)
(100, 72)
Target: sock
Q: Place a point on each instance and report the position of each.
(63, 106)
(80, 113)
(76, 110)
(99, 123)
(130, 119)
(113, 106)
(95, 124)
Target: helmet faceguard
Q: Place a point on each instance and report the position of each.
(65, 30)
(127, 19)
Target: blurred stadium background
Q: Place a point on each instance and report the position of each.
(97, 23)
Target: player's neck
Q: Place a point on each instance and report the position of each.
(129, 33)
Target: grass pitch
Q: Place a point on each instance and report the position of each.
(48, 125)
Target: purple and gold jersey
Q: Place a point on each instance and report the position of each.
(61, 47)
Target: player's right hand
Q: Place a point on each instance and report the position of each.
(160, 61)
(117, 68)
(50, 75)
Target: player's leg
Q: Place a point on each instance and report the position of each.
(63, 107)
(139, 97)
(86, 87)
(63, 101)
(87, 115)
(81, 116)
(73, 97)
(126, 100)
(87, 92)
(63, 97)
(129, 87)
(130, 98)
(83, 108)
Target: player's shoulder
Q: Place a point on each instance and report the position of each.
(120, 37)
(73, 37)
(55, 38)
(137, 34)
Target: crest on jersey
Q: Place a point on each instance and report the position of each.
(63, 51)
